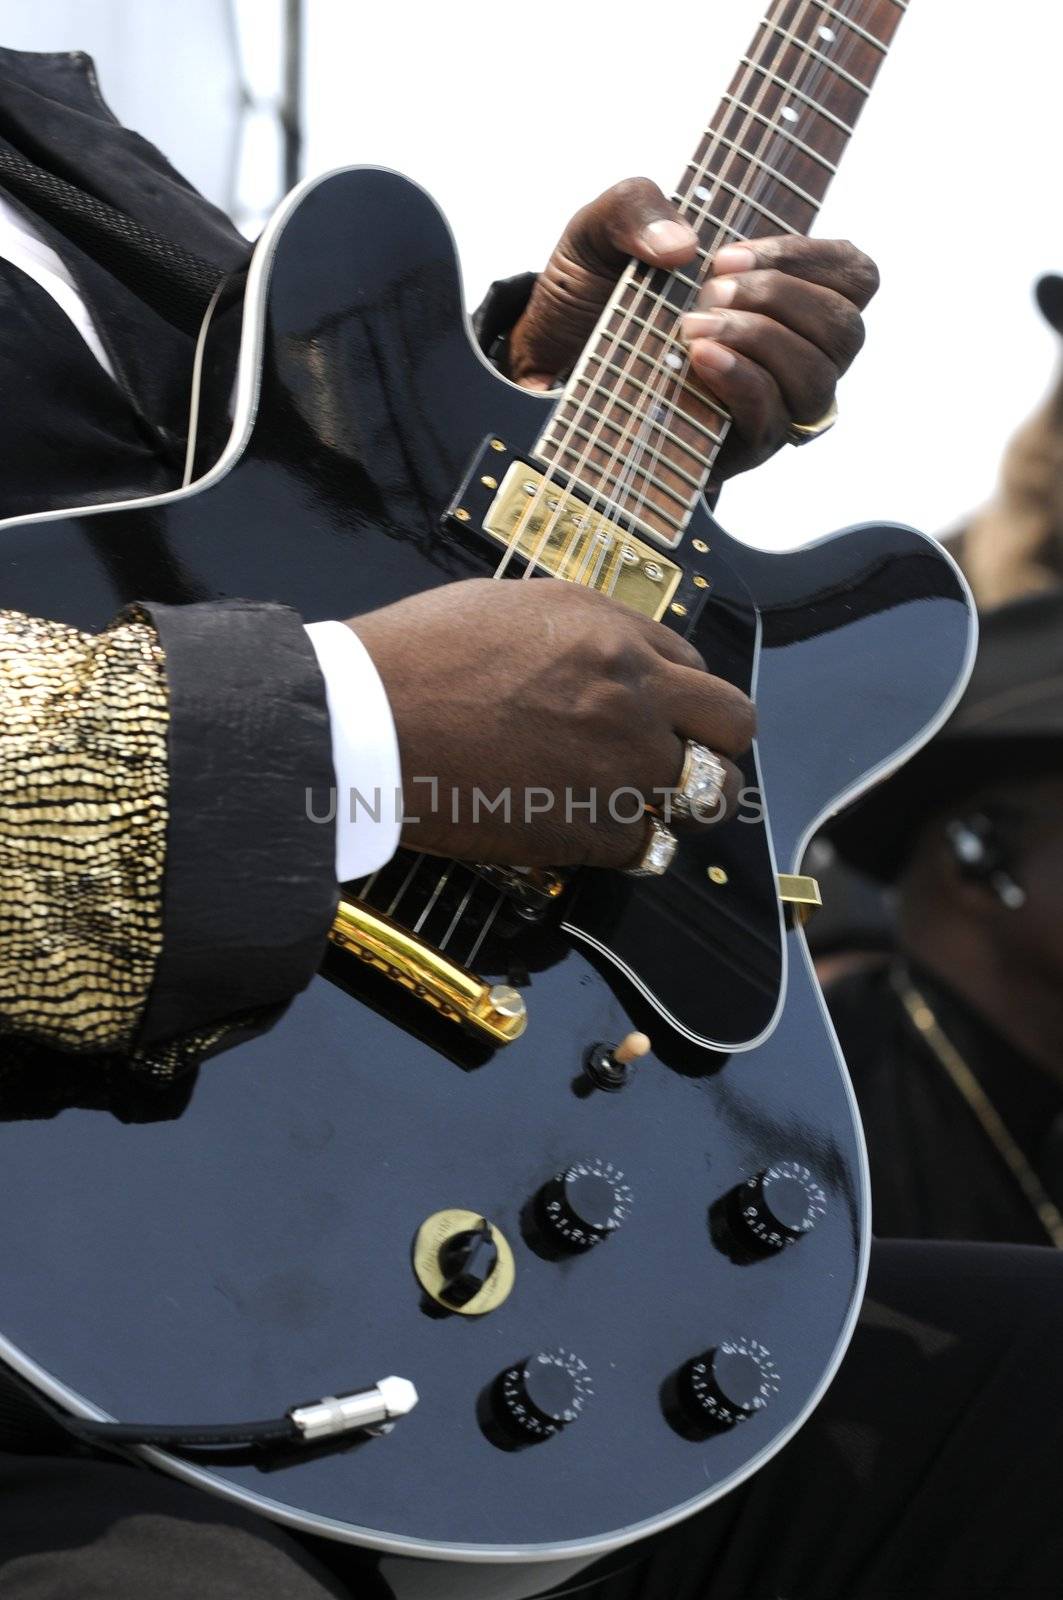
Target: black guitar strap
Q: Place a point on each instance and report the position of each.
(173, 281)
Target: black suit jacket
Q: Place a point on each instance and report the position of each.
(249, 888)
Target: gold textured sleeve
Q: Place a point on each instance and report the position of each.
(83, 816)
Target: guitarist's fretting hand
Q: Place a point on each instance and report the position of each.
(548, 692)
(776, 325)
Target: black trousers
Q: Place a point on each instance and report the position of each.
(934, 1467)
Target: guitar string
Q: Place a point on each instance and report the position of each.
(742, 201)
(762, 162)
(736, 205)
(548, 481)
(747, 200)
(618, 494)
(764, 64)
(563, 446)
(532, 564)
(739, 201)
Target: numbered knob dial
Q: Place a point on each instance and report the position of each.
(543, 1394)
(729, 1383)
(585, 1203)
(780, 1205)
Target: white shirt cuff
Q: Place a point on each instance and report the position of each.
(365, 752)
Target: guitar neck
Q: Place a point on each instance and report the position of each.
(634, 428)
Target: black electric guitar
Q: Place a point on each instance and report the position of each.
(617, 1285)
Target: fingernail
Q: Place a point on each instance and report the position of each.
(702, 325)
(665, 236)
(719, 292)
(733, 258)
(716, 357)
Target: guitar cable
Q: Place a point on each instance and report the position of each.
(371, 1411)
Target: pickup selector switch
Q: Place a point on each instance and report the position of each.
(729, 1383)
(540, 1396)
(779, 1206)
(585, 1204)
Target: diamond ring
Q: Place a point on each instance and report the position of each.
(656, 858)
(699, 793)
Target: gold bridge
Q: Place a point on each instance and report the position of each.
(495, 1011)
(565, 537)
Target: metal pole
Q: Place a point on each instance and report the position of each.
(291, 107)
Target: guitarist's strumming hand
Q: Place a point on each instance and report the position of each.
(555, 697)
(776, 325)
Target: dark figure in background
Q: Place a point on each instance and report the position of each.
(955, 1047)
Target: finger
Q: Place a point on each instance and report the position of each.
(633, 218)
(712, 711)
(673, 647)
(822, 316)
(749, 392)
(803, 375)
(833, 263)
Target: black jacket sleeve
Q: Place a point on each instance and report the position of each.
(249, 888)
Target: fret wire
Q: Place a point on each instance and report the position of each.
(719, 140)
(755, 205)
(641, 472)
(684, 416)
(680, 472)
(659, 333)
(725, 416)
(691, 283)
(615, 399)
(777, 177)
(806, 149)
(773, 77)
(582, 463)
(839, 16)
(630, 281)
(816, 55)
(724, 227)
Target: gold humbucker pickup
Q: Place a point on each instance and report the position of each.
(565, 537)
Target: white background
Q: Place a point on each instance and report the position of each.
(514, 115)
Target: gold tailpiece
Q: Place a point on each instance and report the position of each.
(494, 1010)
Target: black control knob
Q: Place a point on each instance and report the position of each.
(466, 1261)
(585, 1203)
(729, 1384)
(544, 1394)
(779, 1206)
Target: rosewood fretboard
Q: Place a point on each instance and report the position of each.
(634, 427)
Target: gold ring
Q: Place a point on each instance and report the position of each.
(802, 432)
